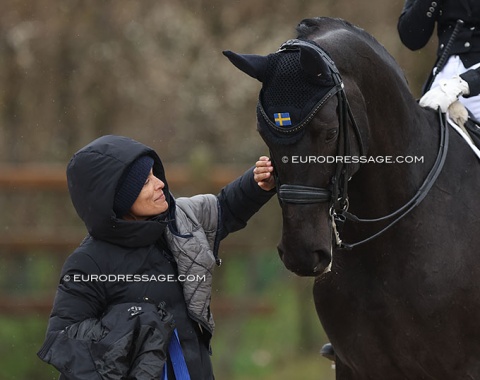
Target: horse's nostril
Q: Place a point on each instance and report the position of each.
(324, 260)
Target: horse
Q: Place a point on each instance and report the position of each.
(379, 205)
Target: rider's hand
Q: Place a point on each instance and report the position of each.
(263, 173)
(447, 92)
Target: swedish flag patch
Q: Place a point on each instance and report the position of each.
(282, 119)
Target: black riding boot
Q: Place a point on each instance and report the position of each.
(328, 352)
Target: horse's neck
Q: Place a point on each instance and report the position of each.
(402, 129)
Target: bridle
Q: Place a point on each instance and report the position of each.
(338, 190)
(337, 193)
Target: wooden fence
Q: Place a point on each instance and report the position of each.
(27, 178)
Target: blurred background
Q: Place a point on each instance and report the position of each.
(73, 70)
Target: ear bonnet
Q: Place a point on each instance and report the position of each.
(297, 80)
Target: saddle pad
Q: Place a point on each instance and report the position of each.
(465, 136)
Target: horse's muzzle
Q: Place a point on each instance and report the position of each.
(313, 264)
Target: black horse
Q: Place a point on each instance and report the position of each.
(394, 245)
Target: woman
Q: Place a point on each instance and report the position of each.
(457, 69)
(142, 245)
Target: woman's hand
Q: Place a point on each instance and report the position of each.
(263, 173)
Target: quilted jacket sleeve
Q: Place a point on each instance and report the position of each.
(204, 210)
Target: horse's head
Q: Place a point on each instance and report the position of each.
(305, 119)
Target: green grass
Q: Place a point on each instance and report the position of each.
(281, 344)
(20, 339)
(284, 344)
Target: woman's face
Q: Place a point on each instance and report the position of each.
(151, 201)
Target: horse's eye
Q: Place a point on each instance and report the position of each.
(331, 135)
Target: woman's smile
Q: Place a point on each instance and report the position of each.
(151, 201)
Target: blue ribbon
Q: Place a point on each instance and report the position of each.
(178, 360)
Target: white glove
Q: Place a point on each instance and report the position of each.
(448, 91)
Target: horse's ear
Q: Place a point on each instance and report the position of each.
(251, 64)
(312, 62)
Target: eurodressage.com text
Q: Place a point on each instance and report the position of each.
(353, 159)
(133, 278)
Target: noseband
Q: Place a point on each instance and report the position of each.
(337, 194)
(303, 194)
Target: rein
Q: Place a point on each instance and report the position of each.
(412, 203)
(338, 195)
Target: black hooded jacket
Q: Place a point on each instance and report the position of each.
(115, 246)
